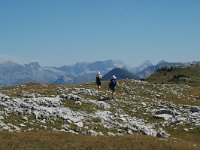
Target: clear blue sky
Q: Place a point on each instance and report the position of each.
(63, 32)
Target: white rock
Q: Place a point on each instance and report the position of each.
(185, 129)
(78, 102)
(92, 133)
(100, 134)
(144, 104)
(25, 118)
(164, 116)
(22, 125)
(111, 134)
(79, 124)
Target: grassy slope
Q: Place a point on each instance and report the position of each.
(52, 140)
(192, 74)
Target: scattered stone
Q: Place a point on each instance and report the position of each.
(166, 114)
(104, 98)
(115, 114)
(79, 124)
(25, 118)
(185, 129)
(195, 109)
(73, 97)
(22, 125)
(111, 134)
(92, 133)
(158, 95)
(78, 103)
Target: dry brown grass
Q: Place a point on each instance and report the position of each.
(191, 135)
(63, 141)
(191, 97)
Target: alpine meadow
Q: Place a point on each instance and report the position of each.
(99, 75)
(152, 114)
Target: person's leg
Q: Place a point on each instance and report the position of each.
(99, 87)
(112, 94)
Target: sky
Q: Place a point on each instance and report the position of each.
(63, 32)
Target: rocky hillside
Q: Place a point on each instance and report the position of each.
(159, 110)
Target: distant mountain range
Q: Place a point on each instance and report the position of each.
(85, 72)
(13, 74)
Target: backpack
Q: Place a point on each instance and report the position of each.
(98, 80)
(112, 83)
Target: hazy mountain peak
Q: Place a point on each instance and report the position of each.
(118, 63)
(162, 61)
(8, 62)
(34, 64)
(143, 66)
(147, 63)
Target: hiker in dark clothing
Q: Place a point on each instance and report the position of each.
(98, 80)
(112, 85)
